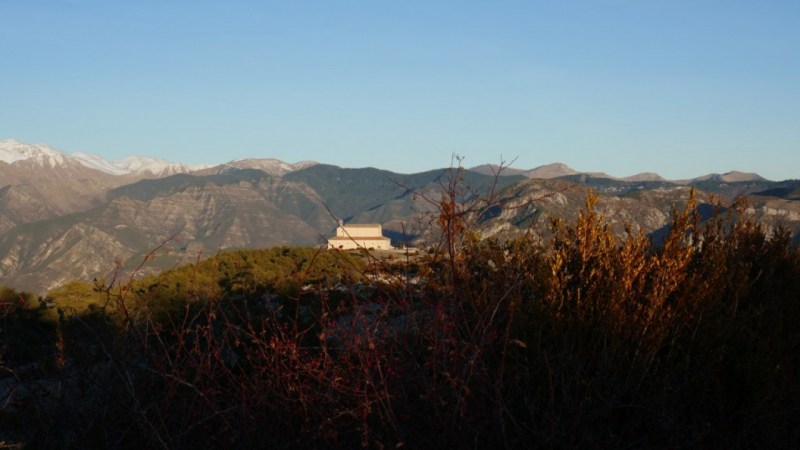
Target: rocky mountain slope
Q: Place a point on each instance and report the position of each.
(271, 166)
(66, 217)
(559, 170)
(195, 216)
(40, 155)
(132, 168)
(44, 187)
(192, 216)
(38, 182)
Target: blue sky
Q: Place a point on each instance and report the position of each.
(682, 88)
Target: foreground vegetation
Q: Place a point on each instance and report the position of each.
(583, 342)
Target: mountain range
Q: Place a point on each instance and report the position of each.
(76, 216)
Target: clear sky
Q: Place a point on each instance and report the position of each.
(682, 88)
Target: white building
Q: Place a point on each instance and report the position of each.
(360, 235)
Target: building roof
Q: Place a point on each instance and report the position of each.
(360, 238)
(361, 225)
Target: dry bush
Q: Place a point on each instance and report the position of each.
(582, 342)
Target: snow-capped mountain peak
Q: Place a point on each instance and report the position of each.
(98, 163)
(12, 151)
(16, 152)
(144, 164)
(269, 165)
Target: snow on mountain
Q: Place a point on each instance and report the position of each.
(141, 165)
(303, 164)
(12, 151)
(269, 165)
(134, 165)
(98, 163)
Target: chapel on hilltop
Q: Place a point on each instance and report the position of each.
(359, 235)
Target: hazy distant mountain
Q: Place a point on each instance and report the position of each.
(147, 167)
(12, 151)
(271, 166)
(553, 170)
(644, 176)
(547, 171)
(730, 190)
(494, 169)
(99, 163)
(787, 190)
(560, 170)
(40, 155)
(134, 167)
(65, 217)
(38, 182)
(728, 177)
